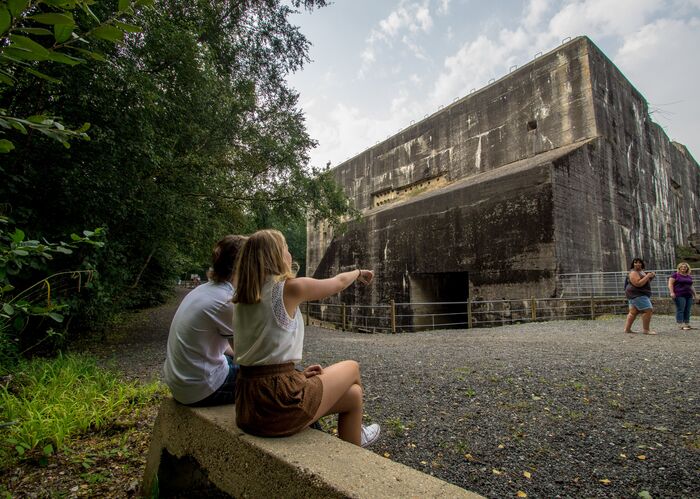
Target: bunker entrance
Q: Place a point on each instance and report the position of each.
(438, 300)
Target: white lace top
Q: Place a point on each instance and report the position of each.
(265, 333)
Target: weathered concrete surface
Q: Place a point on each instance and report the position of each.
(584, 181)
(202, 452)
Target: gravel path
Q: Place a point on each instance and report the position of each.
(555, 409)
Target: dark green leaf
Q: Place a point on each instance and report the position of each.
(22, 42)
(124, 5)
(5, 19)
(56, 317)
(52, 18)
(20, 252)
(109, 33)
(8, 309)
(6, 146)
(88, 11)
(6, 79)
(23, 54)
(129, 28)
(39, 119)
(63, 32)
(17, 6)
(42, 75)
(18, 323)
(34, 31)
(19, 127)
(65, 59)
(17, 236)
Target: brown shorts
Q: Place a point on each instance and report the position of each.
(276, 400)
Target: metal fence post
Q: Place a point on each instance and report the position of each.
(592, 307)
(306, 322)
(533, 309)
(392, 307)
(344, 318)
(469, 313)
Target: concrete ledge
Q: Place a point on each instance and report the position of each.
(202, 451)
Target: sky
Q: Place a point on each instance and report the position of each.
(380, 65)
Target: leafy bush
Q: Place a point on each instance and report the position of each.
(48, 401)
(31, 292)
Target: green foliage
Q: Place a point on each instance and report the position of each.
(48, 401)
(39, 33)
(194, 134)
(23, 259)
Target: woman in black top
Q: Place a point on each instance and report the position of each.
(638, 292)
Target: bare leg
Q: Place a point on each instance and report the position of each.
(342, 394)
(631, 316)
(646, 319)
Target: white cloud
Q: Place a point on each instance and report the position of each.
(602, 17)
(345, 131)
(443, 7)
(402, 24)
(663, 68)
(534, 13)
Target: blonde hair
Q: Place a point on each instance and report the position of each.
(678, 268)
(262, 256)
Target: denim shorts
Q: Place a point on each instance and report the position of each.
(641, 303)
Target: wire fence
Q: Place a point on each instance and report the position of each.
(607, 284)
(581, 296)
(408, 317)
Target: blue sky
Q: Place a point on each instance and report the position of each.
(379, 65)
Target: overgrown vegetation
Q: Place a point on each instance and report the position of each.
(193, 133)
(46, 402)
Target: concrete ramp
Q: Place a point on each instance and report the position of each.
(202, 452)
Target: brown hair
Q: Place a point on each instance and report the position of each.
(262, 256)
(224, 255)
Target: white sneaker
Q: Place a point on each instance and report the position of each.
(369, 434)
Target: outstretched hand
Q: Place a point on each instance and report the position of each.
(313, 370)
(365, 277)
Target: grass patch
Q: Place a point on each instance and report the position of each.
(48, 401)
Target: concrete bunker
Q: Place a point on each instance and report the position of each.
(539, 173)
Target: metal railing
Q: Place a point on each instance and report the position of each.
(607, 284)
(581, 296)
(407, 317)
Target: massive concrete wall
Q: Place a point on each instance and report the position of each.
(555, 168)
(631, 192)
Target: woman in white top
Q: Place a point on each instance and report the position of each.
(272, 399)
(199, 367)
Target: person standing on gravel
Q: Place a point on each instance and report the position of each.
(680, 285)
(199, 367)
(272, 398)
(638, 293)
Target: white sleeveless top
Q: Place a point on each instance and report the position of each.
(265, 333)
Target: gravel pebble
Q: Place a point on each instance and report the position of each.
(551, 409)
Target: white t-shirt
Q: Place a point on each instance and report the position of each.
(195, 365)
(266, 334)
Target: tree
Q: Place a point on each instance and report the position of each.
(194, 134)
(39, 33)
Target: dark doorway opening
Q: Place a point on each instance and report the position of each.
(439, 300)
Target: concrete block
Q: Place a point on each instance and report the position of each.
(202, 452)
